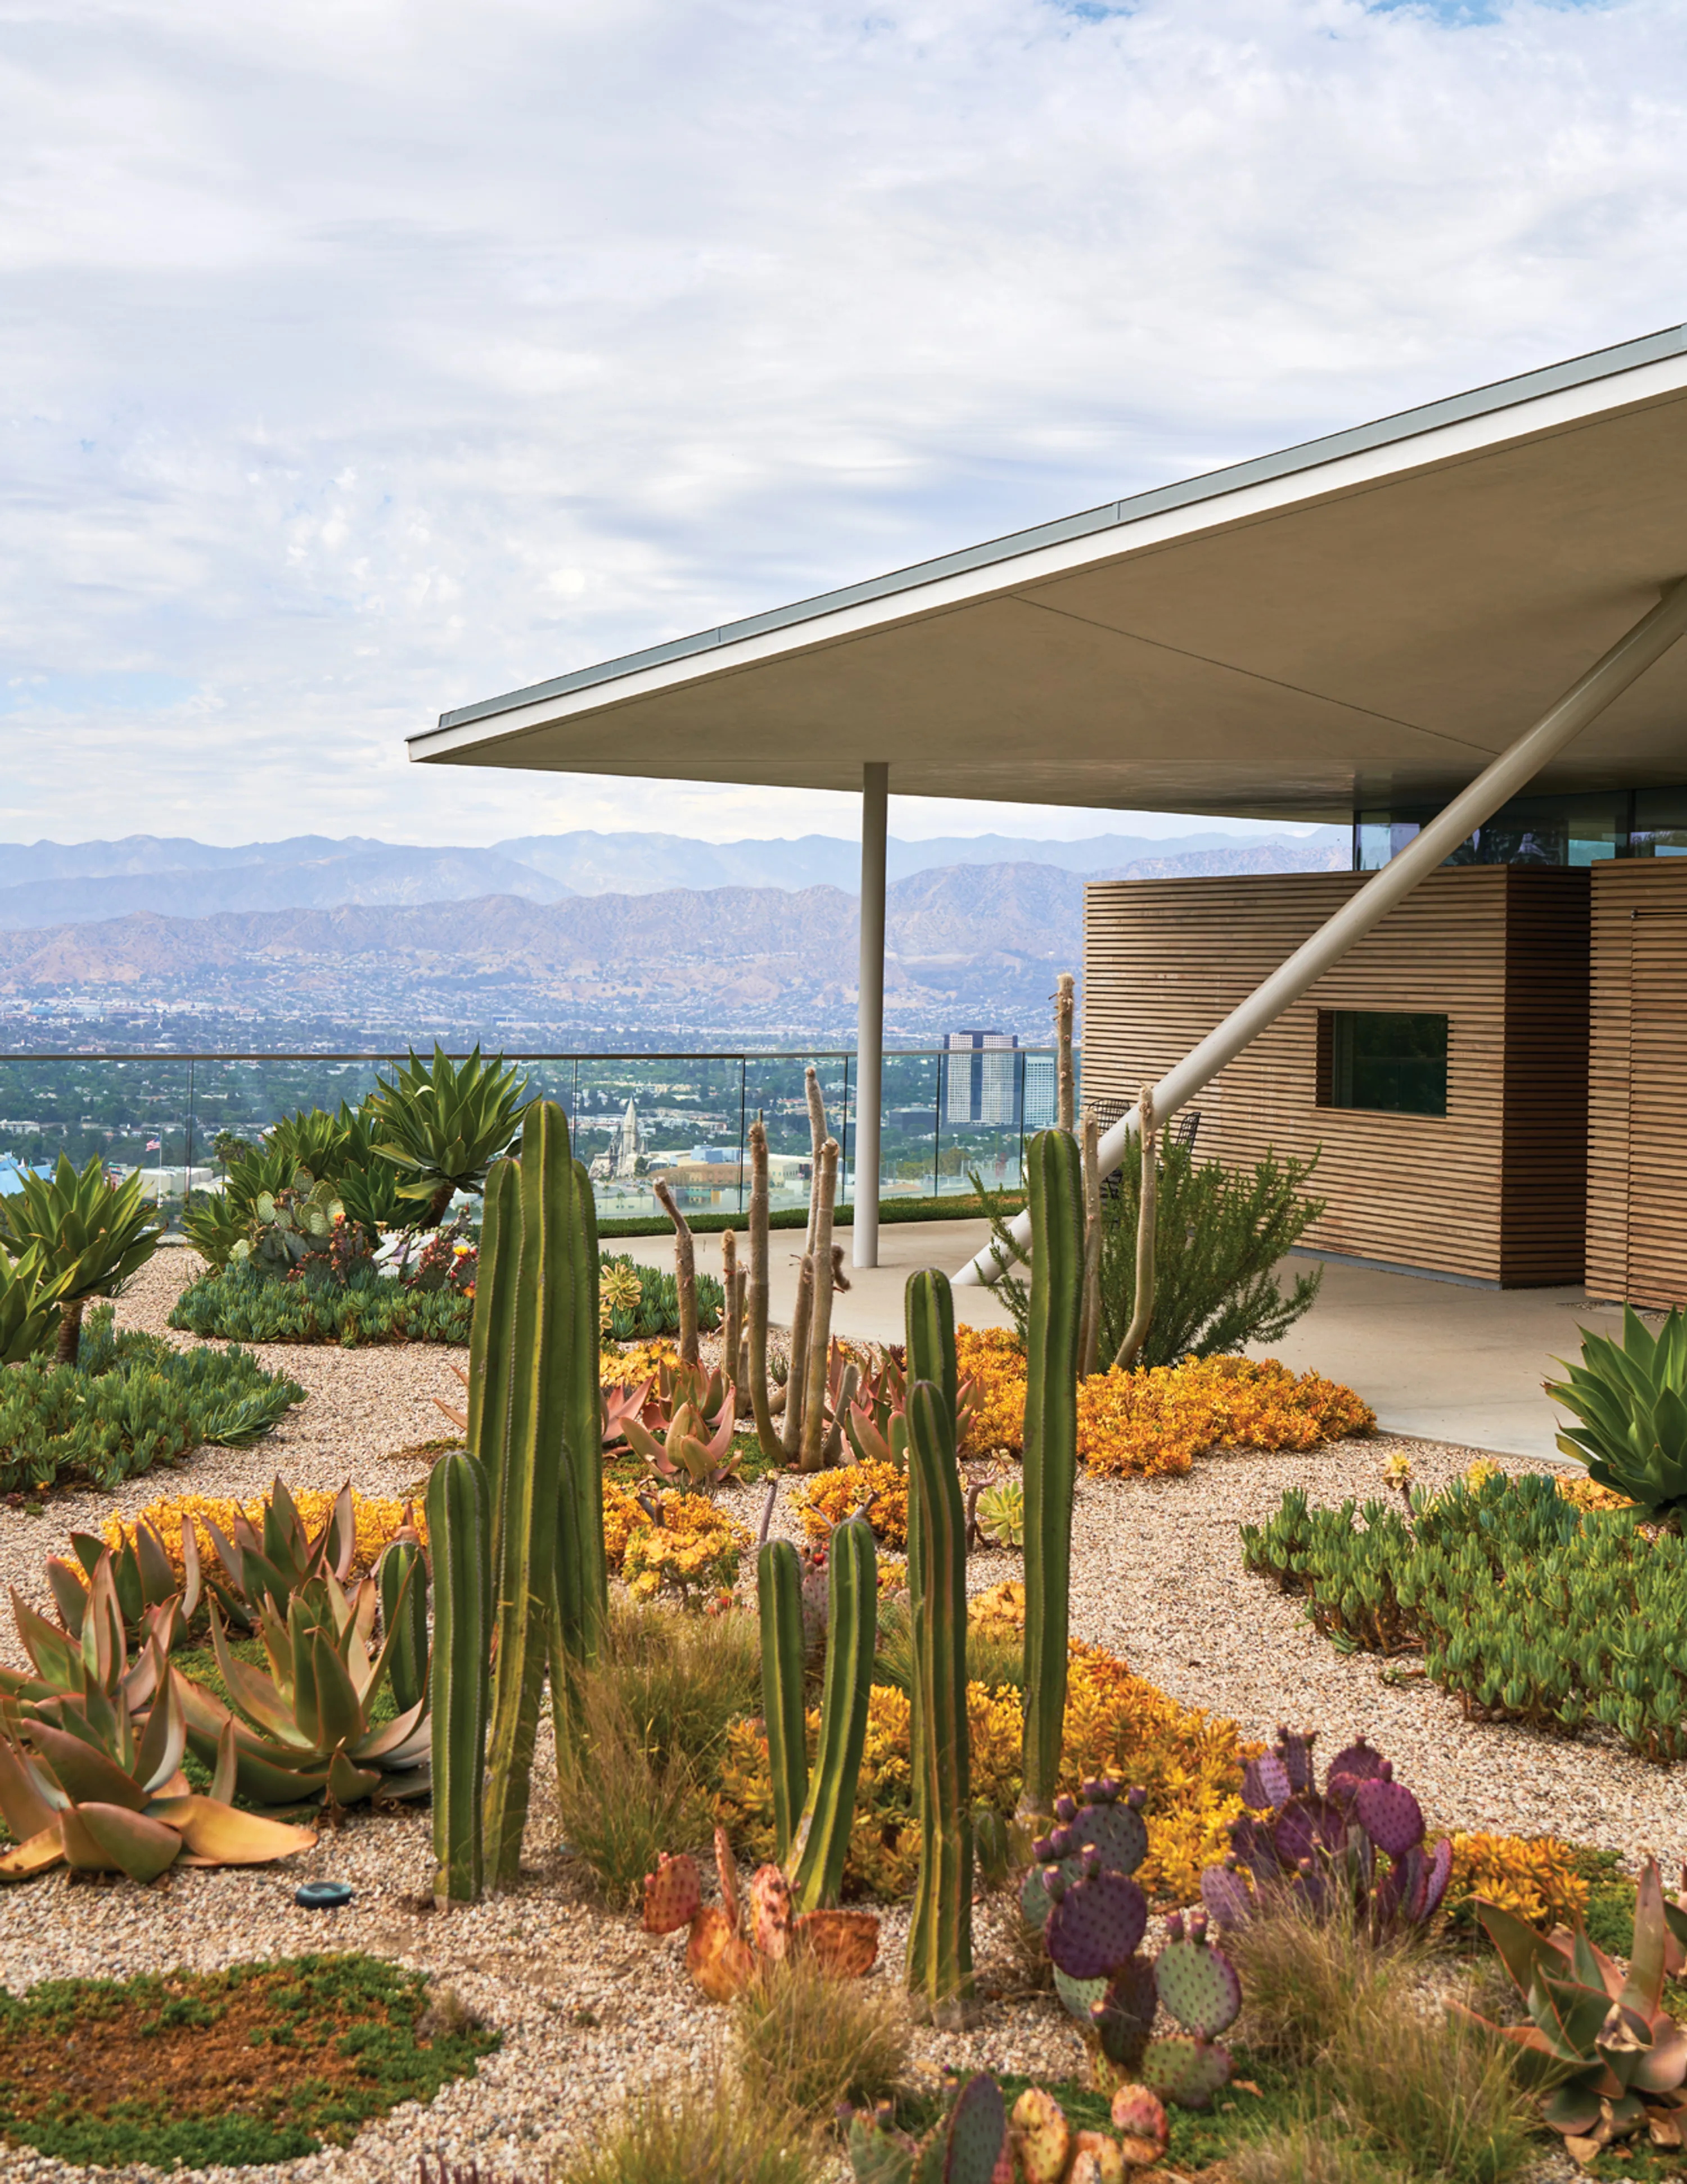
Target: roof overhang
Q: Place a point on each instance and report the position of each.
(1365, 619)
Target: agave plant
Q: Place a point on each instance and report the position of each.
(87, 1236)
(307, 1728)
(1599, 2045)
(265, 1565)
(216, 1222)
(27, 1299)
(444, 1126)
(1631, 1398)
(685, 1449)
(85, 1783)
(143, 1582)
(95, 1656)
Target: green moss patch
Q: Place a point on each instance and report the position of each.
(263, 2061)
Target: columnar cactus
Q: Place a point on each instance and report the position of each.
(779, 1595)
(821, 1840)
(402, 1579)
(1050, 1453)
(459, 1539)
(940, 1934)
(534, 1424)
(929, 1321)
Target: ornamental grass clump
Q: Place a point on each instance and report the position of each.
(803, 2040)
(701, 2130)
(1526, 1607)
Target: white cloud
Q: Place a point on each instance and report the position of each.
(360, 361)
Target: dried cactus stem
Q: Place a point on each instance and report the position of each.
(943, 1901)
(779, 1598)
(459, 1533)
(1142, 1301)
(1050, 1455)
(731, 1321)
(685, 1270)
(796, 1377)
(821, 1840)
(760, 1404)
(1090, 1322)
(1065, 1076)
(820, 1312)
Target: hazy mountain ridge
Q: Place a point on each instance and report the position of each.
(966, 945)
(46, 884)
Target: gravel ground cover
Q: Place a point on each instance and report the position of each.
(588, 2007)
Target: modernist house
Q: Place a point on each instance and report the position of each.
(1455, 629)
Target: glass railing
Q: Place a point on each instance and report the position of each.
(943, 1115)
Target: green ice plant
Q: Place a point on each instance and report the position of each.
(1526, 1609)
(87, 1235)
(443, 1125)
(1057, 1195)
(1631, 1400)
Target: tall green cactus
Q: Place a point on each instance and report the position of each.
(1050, 1453)
(822, 1839)
(532, 1387)
(779, 1597)
(459, 1541)
(940, 1932)
(402, 1579)
(928, 1317)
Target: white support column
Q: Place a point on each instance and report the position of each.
(870, 1008)
(1627, 660)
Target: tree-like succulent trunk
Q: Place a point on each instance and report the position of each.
(436, 1205)
(70, 1332)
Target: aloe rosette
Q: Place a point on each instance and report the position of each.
(306, 1728)
(87, 1784)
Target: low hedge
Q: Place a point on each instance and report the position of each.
(891, 1211)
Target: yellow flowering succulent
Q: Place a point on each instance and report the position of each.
(696, 1549)
(830, 1497)
(1190, 1764)
(378, 1518)
(1533, 1877)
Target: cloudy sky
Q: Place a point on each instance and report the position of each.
(362, 357)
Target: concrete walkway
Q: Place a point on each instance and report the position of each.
(1433, 1358)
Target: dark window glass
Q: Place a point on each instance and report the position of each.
(1529, 830)
(1660, 822)
(1394, 1065)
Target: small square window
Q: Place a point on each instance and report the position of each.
(1387, 1063)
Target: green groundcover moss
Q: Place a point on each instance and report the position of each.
(263, 2061)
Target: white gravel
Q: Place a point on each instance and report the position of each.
(588, 2007)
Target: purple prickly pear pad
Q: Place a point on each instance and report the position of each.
(1096, 1925)
(1266, 1786)
(1390, 1815)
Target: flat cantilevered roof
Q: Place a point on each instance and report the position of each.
(1362, 620)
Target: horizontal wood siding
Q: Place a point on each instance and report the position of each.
(1543, 1215)
(1637, 1130)
(1165, 960)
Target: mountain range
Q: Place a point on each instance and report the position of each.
(44, 885)
(966, 944)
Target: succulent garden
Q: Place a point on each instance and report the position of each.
(715, 1759)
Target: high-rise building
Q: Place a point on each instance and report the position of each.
(984, 1076)
(1041, 1092)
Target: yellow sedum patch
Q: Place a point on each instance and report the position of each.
(1533, 1877)
(832, 1496)
(697, 1549)
(1190, 1764)
(378, 1518)
(1149, 1425)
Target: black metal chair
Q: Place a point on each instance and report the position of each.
(1106, 1112)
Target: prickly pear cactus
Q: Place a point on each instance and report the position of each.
(1197, 1983)
(1096, 1925)
(1104, 1818)
(1042, 2137)
(1188, 2071)
(1139, 2118)
(673, 1893)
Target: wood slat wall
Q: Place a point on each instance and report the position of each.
(1637, 1133)
(1481, 1191)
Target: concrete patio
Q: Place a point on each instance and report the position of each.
(1442, 1360)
